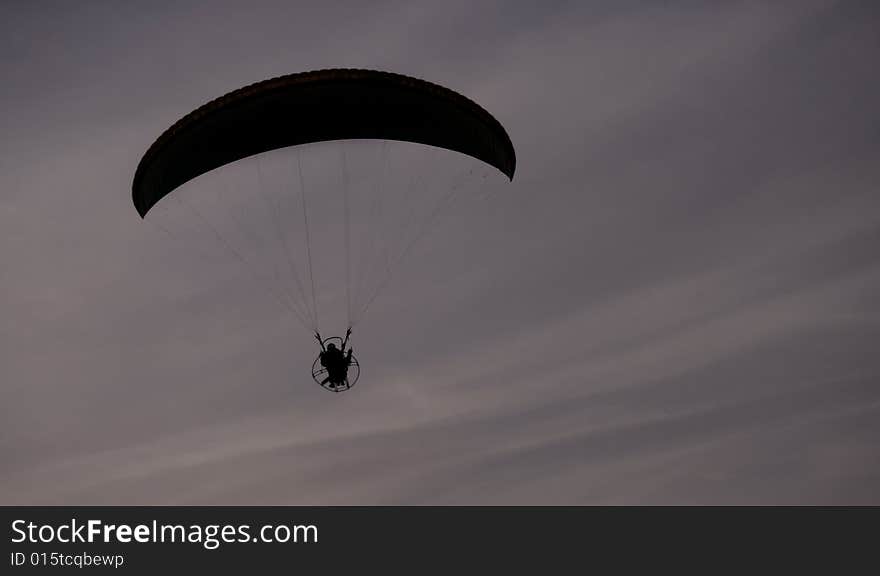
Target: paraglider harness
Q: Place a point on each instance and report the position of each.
(335, 369)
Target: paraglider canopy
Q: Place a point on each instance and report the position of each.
(336, 104)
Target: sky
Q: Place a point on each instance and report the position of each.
(674, 302)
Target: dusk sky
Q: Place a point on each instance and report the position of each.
(675, 301)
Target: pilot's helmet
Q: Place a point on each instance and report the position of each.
(331, 346)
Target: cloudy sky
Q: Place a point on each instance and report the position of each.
(675, 301)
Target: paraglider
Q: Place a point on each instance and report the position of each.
(303, 110)
(335, 364)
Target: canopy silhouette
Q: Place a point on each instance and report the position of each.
(309, 107)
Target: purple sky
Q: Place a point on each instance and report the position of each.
(675, 301)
